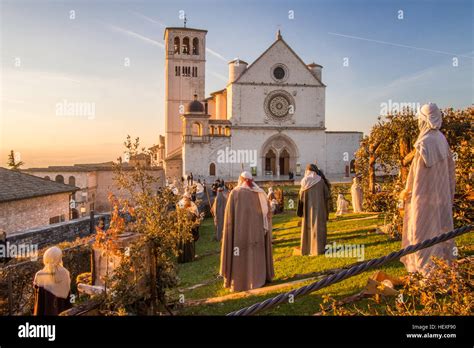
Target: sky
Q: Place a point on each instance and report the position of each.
(109, 56)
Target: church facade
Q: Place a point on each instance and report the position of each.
(269, 119)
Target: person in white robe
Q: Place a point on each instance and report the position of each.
(357, 196)
(52, 285)
(342, 205)
(429, 193)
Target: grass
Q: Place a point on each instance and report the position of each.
(349, 229)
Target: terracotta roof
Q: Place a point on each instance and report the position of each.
(86, 167)
(15, 185)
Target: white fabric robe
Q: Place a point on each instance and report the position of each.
(428, 206)
(357, 197)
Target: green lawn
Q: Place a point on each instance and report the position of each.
(342, 230)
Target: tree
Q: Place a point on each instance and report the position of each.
(390, 147)
(12, 163)
(150, 262)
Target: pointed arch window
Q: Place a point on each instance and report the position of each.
(212, 169)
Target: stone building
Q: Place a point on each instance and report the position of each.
(268, 119)
(27, 201)
(95, 182)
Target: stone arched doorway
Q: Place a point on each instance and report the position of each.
(279, 155)
(284, 160)
(270, 163)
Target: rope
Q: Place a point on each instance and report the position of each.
(357, 269)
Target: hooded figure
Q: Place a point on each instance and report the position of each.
(342, 205)
(429, 193)
(246, 255)
(218, 210)
(357, 196)
(313, 206)
(52, 285)
(187, 247)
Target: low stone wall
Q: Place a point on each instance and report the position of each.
(57, 233)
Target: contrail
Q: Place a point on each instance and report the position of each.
(138, 36)
(218, 55)
(400, 45)
(154, 21)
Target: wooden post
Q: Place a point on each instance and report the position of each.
(91, 222)
(152, 278)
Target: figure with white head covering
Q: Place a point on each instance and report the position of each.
(342, 205)
(52, 285)
(357, 195)
(313, 206)
(246, 255)
(429, 193)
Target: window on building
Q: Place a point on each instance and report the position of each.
(57, 219)
(186, 71)
(59, 178)
(186, 45)
(176, 45)
(177, 70)
(195, 71)
(227, 131)
(72, 181)
(197, 129)
(212, 169)
(195, 46)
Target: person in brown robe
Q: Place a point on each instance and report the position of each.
(218, 210)
(313, 207)
(52, 285)
(246, 254)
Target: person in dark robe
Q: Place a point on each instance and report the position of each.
(188, 247)
(218, 210)
(246, 253)
(3, 246)
(52, 285)
(313, 207)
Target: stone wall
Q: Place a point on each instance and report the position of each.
(340, 149)
(56, 233)
(32, 212)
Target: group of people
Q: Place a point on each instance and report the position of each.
(246, 252)
(357, 199)
(243, 220)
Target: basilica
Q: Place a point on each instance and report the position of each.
(269, 119)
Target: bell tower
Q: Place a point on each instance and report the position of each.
(185, 63)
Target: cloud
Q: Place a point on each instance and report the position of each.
(219, 76)
(136, 35)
